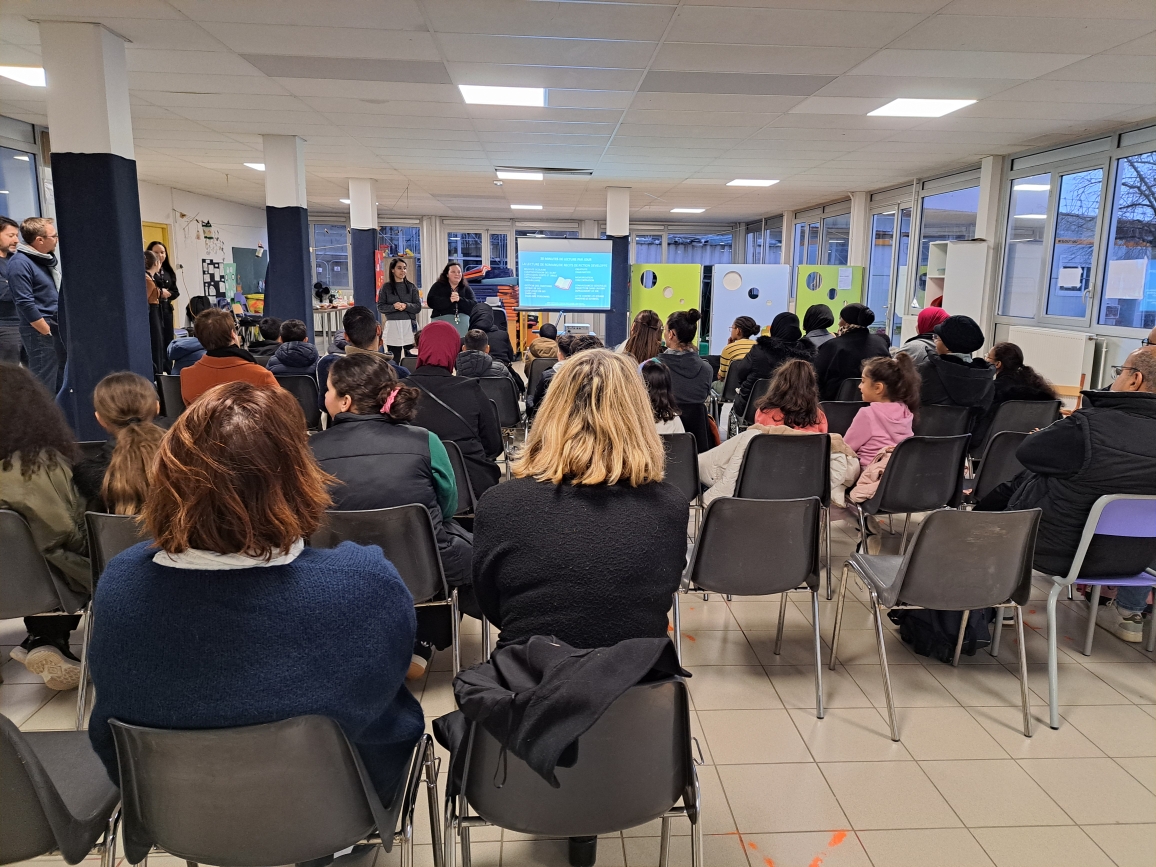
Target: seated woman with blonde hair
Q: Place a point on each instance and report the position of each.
(193, 628)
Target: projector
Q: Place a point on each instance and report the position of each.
(577, 328)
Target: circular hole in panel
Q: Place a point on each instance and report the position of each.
(649, 279)
(668, 292)
(732, 280)
(814, 280)
(753, 292)
(832, 293)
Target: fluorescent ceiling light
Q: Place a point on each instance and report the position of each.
(920, 107)
(747, 182)
(23, 157)
(30, 75)
(258, 166)
(1032, 188)
(344, 201)
(687, 210)
(478, 94)
(3, 192)
(1030, 217)
(520, 176)
(526, 207)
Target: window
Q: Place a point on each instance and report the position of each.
(836, 239)
(806, 243)
(701, 249)
(813, 244)
(331, 255)
(900, 274)
(647, 249)
(1024, 250)
(1129, 296)
(499, 250)
(754, 243)
(18, 196)
(879, 269)
(773, 244)
(1070, 282)
(466, 248)
(946, 217)
(400, 241)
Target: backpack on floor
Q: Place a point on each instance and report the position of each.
(934, 633)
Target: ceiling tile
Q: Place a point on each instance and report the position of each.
(596, 53)
(800, 26)
(781, 59)
(1089, 35)
(733, 82)
(967, 64)
(504, 75)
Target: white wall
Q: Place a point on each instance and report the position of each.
(235, 226)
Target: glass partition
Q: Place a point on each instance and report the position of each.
(331, 255)
(946, 217)
(401, 241)
(647, 249)
(18, 188)
(465, 247)
(1024, 248)
(879, 270)
(1073, 253)
(1129, 296)
(836, 239)
(773, 244)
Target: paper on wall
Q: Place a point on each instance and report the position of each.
(1126, 278)
(844, 278)
(1071, 278)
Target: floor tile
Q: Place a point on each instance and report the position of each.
(58, 714)
(994, 793)
(1143, 768)
(1149, 709)
(717, 819)
(764, 616)
(849, 735)
(798, 648)
(838, 848)
(1005, 724)
(699, 616)
(789, 797)
(942, 847)
(1136, 682)
(728, 647)
(752, 736)
(1093, 791)
(911, 686)
(1119, 730)
(732, 687)
(719, 850)
(859, 647)
(552, 853)
(19, 701)
(1036, 648)
(981, 685)
(15, 672)
(888, 795)
(1041, 847)
(795, 685)
(1127, 845)
(1077, 684)
(438, 697)
(946, 733)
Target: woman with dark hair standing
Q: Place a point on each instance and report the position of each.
(166, 283)
(843, 357)
(451, 295)
(37, 453)
(645, 340)
(399, 303)
(770, 352)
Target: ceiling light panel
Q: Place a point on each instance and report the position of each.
(750, 182)
(526, 207)
(477, 94)
(258, 166)
(520, 176)
(33, 76)
(687, 210)
(920, 107)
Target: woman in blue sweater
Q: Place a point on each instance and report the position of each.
(228, 620)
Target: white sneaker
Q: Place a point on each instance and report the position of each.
(58, 671)
(18, 653)
(1125, 625)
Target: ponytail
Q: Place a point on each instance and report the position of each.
(127, 405)
(898, 376)
(369, 381)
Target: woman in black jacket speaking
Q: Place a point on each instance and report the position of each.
(399, 303)
(451, 294)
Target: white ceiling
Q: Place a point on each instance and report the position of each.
(671, 99)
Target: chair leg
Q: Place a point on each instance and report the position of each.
(485, 640)
(1019, 614)
(1093, 610)
(696, 841)
(782, 622)
(862, 531)
(435, 825)
(877, 610)
(467, 855)
(455, 632)
(664, 843)
(1150, 644)
(820, 712)
(1053, 662)
(830, 565)
(82, 690)
(838, 617)
(449, 834)
(676, 616)
(108, 856)
(959, 638)
(903, 541)
(996, 633)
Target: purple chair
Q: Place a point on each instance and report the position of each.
(1118, 549)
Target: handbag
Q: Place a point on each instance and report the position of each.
(458, 320)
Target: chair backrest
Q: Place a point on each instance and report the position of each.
(538, 366)
(633, 765)
(278, 793)
(849, 389)
(1119, 538)
(91, 448)
(1019, 415)
(999, 463)
(732, 554)
(27, 587)
(497, 417)
(682, 463)
(467, 500)
(840, 414)
(263, 360)
(25, 831)
(171, 401)
(760, 388)
(942, 421)
(108, 535)
(405, 535)
(304, 388)
(694, 422)
(924, 473)
(786, 467)
(962, 561)
(409, 362)
(732, 381)
(502, 393)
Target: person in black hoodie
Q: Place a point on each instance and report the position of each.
(690, 375)
(1014, 380)
(295, 356)
(769, 353)
(270, 331)
(450, 294)
(843, 357)
(951, 377)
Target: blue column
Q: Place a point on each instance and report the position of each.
(617, 324)
(364, 245)
(288, 282)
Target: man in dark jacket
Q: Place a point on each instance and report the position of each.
(295, 356)
(951, 377)
(474, 360)
(10, 344)
(34, 286)
(1107, 447)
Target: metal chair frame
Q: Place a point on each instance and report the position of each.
(669, 442)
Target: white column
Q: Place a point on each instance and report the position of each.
(362, 203)
(618, 211)
(588, 229)
(284, 171)
(860, 247)
(788, 237)
(992, 177)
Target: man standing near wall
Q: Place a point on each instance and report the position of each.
(34, 283)
(9, 321)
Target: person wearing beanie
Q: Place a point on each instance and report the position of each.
(922, 344)
(784, 344)
(817, 322)
(545, 345)
(842, 358)
(951, 377)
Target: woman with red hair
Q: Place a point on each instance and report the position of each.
(455, 408)
(923, 344)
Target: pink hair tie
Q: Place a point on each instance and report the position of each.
(389, 400)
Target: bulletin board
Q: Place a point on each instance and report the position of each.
(833, 285)
(761, 292)
(665, 289)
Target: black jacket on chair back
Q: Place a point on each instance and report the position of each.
(949, 381)
(842, 358)
(469, 421)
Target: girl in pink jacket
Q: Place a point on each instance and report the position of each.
(891, 388)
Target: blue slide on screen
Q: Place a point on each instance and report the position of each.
(563, 274)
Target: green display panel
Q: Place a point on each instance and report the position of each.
(833, 285)
(665, 288)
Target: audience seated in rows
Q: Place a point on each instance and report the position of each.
(1014, 380)
(645, 339)
(184, 351)
(739, 344)
(37, 453)
(545, 345)
(295, 356)
(1108, 446)
(784, 343)
(362, 334)
(492, 321)
(224, 359)
(842, 358)
(455, 407)
(950, 376)
(475, 360)
(270, 330)
(568, 345)
(817, 322)
(690, 375)
(922, 345)
(656, 377)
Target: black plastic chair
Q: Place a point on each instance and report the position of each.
(1018, 415)
(634, 765)
(761, 387)
(923, 474)
(840, 414)
(262, 360)
(285, 792)
(304, 388)
(999, 463)
(942, 421)
(958, 561)
(694, 422)
(467, 500)
(534, 373)
(55, 796)
(91, 448)
(728, 558)
(172, 404)
(405, 535)
(732, 381)
(786, 467)
(409, 362)
(849, 389)
(505, 396)
(682, 470)
(504, 455)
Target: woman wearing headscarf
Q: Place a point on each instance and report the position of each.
(816, 322)
(784, 343)
(922, 344)
(455, 408)
(842, 358)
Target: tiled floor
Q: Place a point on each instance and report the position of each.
(782, 789)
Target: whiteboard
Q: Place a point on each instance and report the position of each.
(761, 292)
